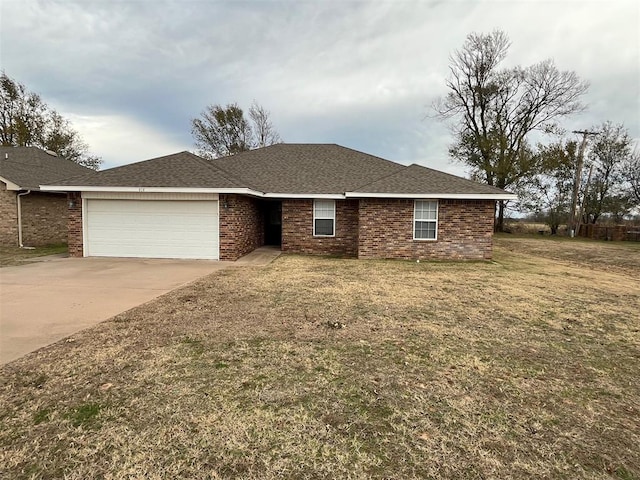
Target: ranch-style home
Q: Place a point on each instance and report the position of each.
(29, 216)
(303, 198)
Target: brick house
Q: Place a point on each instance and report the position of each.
(29, 216)
(304, 198)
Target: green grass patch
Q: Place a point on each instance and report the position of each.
(10, 256)
(41, 416)
(85, 415)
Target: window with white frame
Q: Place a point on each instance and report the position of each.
(324, 218)
(425, 220)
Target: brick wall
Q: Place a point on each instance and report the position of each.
(465, 230)
(44, 219)
(367, 228)
(241, 226)
(74, 222)
(297, 229)
(8, 217)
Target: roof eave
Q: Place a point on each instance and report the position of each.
(93, 188)
(330, 196)
(443, 196)
(10, 185)
(238, 190)
(256, 193)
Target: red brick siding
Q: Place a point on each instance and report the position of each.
(8, 217)
(241, 226)
(44, 218)
(371, 228)
(465, 230)
(297, 229)
(74, 222)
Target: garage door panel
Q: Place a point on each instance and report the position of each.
(153, 229)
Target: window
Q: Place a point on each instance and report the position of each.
(425, 220)
(324, 218)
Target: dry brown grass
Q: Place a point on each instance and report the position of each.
(621, 257)
(519, 368)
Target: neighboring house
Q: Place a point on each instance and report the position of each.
(304, 198)
(28, 216)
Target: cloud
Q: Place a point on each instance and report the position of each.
(360, 73)
(121, 140)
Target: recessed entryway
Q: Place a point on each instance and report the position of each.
(272, 210)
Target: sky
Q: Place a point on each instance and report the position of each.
(130, 75)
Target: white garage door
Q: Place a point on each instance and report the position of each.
(151, 229)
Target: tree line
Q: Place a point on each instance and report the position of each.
(506, 125)
(27, 121)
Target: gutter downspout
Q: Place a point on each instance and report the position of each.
(20, 218)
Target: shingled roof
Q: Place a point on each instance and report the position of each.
(285, 169)
(306, 168)
(419, 180)
(29, 167)
(182, 170)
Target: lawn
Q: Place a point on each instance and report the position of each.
(19, 256)
(523, 367)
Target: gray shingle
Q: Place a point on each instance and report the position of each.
(416, 179)
(306, 168)
(182, 169)
(30, 167)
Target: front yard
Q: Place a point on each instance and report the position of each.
(329, 368)
(19, 256)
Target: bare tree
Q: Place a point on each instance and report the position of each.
(497, 109)
(264, 132)
(26, 120)
(222, 131)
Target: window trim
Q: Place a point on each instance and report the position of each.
(324, 218)
(415, 208)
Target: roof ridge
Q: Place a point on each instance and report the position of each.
(400, 170)
(367, 154)
(216, 168)
(201, 160)
(457, 177)
(78, 176)
(41, 151)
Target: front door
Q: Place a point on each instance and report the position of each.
(273, 223)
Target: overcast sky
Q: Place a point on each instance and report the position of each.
(131, 74)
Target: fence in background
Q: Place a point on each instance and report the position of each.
(614, 233)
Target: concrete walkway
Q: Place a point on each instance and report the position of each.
(260, 257)
(43, 302)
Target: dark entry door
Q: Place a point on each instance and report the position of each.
(273, 223)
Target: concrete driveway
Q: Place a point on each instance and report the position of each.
(40, 303)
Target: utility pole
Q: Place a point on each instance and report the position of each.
(573, 220)
(584, 194)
